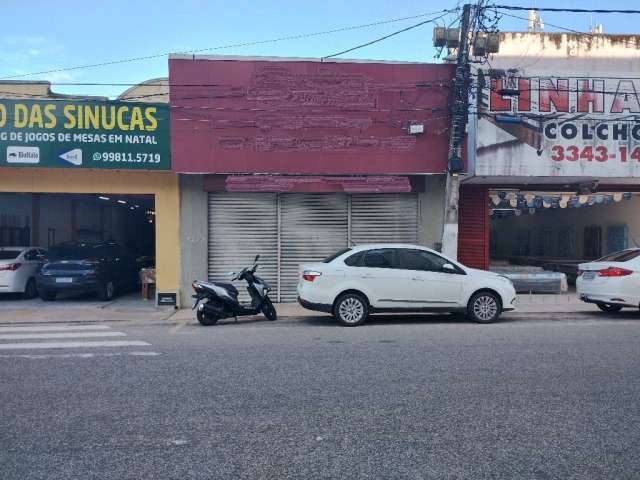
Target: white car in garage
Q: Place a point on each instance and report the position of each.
(18, 267)
(611, 282)
(358, 281)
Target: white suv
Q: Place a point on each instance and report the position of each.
(401, 278)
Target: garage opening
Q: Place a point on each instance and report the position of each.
(119, 229)
(538, 238)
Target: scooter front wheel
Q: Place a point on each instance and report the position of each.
(269, 310)
(206, 320)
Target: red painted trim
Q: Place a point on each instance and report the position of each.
(313, 184)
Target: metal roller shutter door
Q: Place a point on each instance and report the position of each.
(473, 227)
(242, 225)
(313, 227)
(384, 218)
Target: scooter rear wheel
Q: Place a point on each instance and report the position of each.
(205, 319)
(269, 310)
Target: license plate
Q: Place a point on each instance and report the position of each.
(64, 280)
(589, 275)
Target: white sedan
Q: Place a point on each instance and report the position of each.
(18, 267)
(611, 282)
(401, 278)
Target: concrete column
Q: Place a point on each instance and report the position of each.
(193, 233)
(431, 219)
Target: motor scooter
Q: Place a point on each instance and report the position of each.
(218, 300)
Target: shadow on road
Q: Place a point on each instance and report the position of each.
(398, 319)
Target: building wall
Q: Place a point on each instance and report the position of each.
(304, 116)
(509, 233)
(163, 185)
(193, 233)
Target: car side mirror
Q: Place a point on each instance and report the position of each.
(448, 268)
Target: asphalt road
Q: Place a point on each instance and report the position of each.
(404, 397)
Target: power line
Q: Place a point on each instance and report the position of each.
(222, 47)
(564, 10)
(388, 36)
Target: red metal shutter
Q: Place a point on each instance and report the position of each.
(473, 227)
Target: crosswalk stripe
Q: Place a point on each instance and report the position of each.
(51, 328)
(35, 336)
(44, 356)
(87, 344)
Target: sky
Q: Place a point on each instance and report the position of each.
(41, 35)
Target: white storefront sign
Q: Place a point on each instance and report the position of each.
(550, 124)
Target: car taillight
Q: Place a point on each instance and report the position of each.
(12, 267)
(614, 272)
(310, 275)
(580, 272)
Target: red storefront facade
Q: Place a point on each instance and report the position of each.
(317, 155)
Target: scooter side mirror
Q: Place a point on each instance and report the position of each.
(255, 260)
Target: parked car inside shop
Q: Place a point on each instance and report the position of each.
(401, 278)
(18, 267)
(611, 282)
(101, 268)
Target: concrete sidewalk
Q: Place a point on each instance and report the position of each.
(131, 309)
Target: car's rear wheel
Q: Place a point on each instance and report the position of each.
(484, 307)
(31, 290)
(107, 291)
(48, 296)
(351, 310)
(608, 307)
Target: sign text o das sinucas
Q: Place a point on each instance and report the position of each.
(84, 134)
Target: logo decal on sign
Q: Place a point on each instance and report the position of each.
(74, 156)
(23, 155)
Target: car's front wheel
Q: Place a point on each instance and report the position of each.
(351, 310)
(608, 307)
(484, 307)
(107, 291)
(48, 296)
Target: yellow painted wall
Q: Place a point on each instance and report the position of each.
(164, 185)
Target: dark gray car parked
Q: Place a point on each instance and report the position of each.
(101, 268)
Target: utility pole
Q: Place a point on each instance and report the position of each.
(457, 135)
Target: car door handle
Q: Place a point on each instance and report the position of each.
(367, 275)
(417, 279)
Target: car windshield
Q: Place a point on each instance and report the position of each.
(73, 252)
(331, 258)
(623, 256)
(9, 254)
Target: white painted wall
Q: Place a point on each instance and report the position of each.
(431, 204)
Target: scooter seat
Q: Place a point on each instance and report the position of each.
(229, 287)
